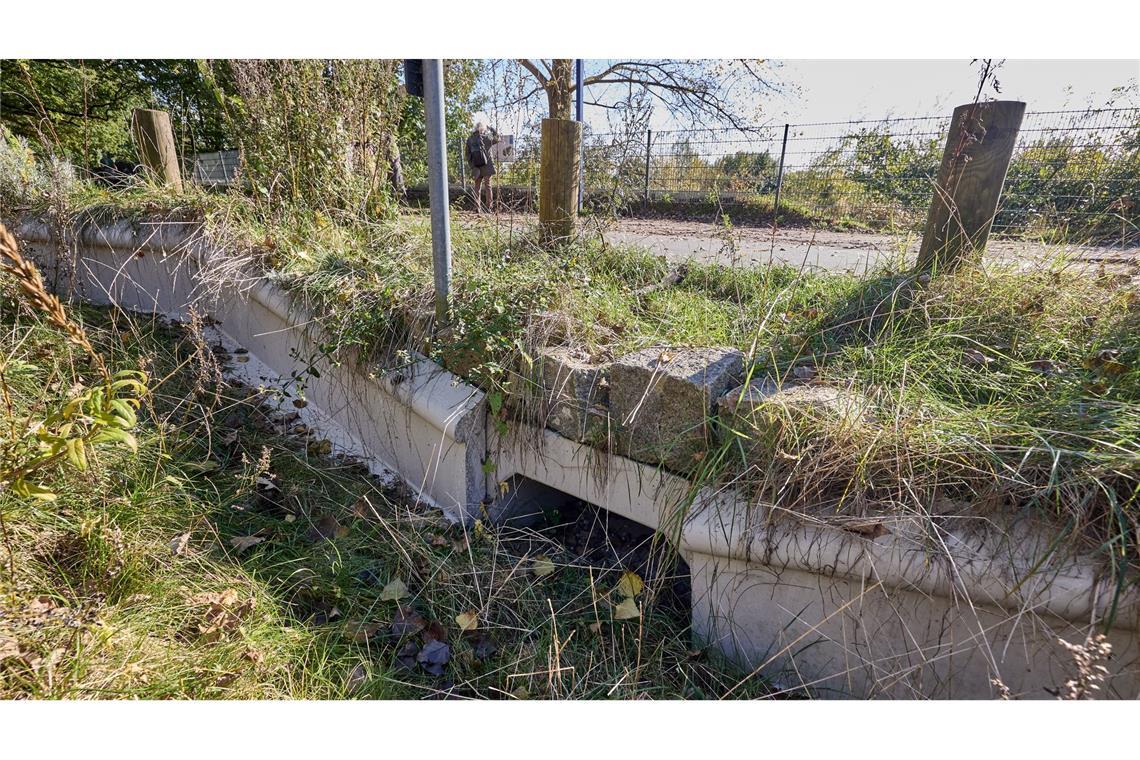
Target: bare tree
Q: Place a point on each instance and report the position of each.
(700, 89)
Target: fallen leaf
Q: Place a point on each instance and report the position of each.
(976, 357)
(241, 543)
(363, 509)
(9, 647)
(595, 627)
(871, 529)
(178, 544)
(327, 528)
(253, 656)
(225, 679)
(406, 657)
(627, 609)
(359, 631)
(542, 566)
(467, 621)
(630, 584)
(356, 678)
(483, 646)
(435, 632)
(438, 540)
(267, 484)
(290, 517)
(407, 622)
(434, 657)
(224, 612)
(394, 591)
(1044, 366)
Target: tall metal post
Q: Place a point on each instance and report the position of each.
(578, 108)
(780, 176)
(648, 153)
(437, 184)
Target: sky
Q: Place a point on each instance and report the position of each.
(842, 90)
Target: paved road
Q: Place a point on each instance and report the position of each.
(826, 249)
(680, 240)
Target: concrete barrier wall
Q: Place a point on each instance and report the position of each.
(927, 609)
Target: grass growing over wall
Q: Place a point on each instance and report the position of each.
(231, 557)
(992, 387)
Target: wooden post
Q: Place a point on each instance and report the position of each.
(978, 151)
(558, 183)
(154, 139)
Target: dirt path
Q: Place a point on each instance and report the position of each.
(824, 249)
(685, 240)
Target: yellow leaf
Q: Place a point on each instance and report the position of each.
(467, 621)
(542, 566)
(630, 584)
(394, 591)
(627, 609)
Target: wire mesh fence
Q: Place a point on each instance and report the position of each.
(1074, 174)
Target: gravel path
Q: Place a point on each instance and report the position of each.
(825, 249)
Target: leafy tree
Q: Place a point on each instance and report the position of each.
(81, 108)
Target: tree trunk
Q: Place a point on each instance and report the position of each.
(558, 190)
(560, 88)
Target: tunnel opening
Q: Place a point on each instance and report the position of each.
(589, 535)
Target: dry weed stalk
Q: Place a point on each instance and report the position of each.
(1090, 673)
(32, 285)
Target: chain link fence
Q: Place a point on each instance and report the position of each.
(1075, 175)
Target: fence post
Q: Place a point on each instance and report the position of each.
(780, 176)
(979, 147)
(155, 141)
(648, 153)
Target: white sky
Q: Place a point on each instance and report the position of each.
(841, 90)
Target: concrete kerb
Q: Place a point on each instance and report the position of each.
(922, 609)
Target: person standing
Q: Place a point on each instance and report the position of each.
(482, 166)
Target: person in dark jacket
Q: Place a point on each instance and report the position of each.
(482, 166)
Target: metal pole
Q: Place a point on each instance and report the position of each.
(780, 176)
(578, 107)
(436, 131)
(648, 152)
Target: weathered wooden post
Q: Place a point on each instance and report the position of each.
(978, 151)
(155, 141)
(558, 181)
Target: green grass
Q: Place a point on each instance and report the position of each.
(101, 600)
